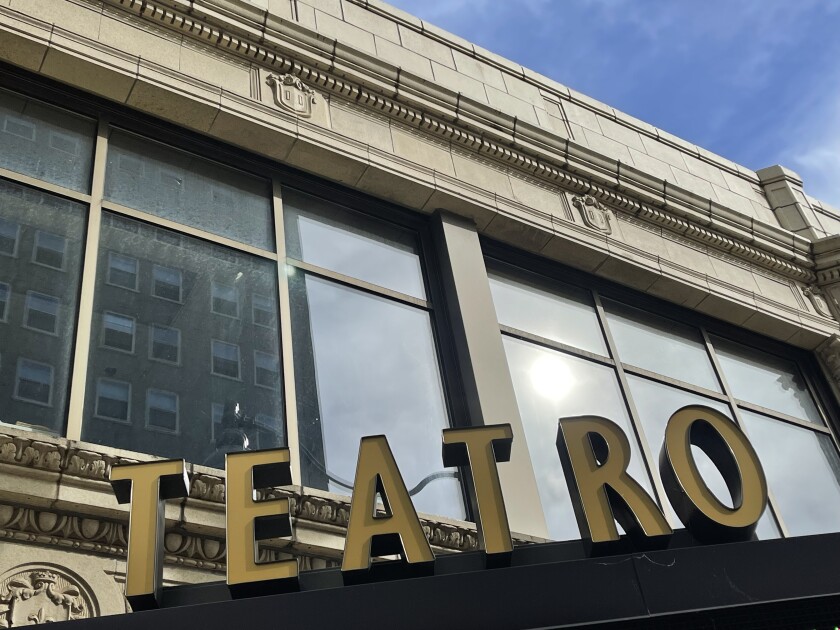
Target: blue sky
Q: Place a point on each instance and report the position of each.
(756, 81)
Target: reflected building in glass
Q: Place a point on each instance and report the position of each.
(395, 235)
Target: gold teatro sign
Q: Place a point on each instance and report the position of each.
(594, 453)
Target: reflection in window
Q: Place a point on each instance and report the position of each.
(565, 315)
(41, 302)
(46, 142)
(266, 369)
(337, 239)
(34, 382)
(122, 271)
(166, 283)
(164, 343)
(113, 399)
(187, 189)
(803, 473)
(225, 300)
(5, 292)
(9, 233)
(660, 345)
(225, 359)
(263, 311)
(118, 332)
(162, 410)
(767, 380)
(551, 385)
(41, 312)
(49, 250)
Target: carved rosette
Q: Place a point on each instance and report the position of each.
(292, 94)
(594, 214)
(33, 594)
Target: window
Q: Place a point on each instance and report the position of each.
(264, 311)
(266, 370)
(217, 410)
(162, 410)
(49, 250)
(5, 294)
(64, 142)
(225, 300)
(365, 353)
(113, 400)
(267, 433)
(19, 127)
(166, 283)
(118, 332)
(34, 382)
(164, 344)
(41, 313)
(122, 271)
(225, 359)
(9, 233)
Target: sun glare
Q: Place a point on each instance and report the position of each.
(551, 377)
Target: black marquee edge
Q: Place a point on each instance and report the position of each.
(788, 583)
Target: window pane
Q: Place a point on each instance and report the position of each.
(561, 314)
(188, 189)
(113, 400)
(656, 403)
(369, 367)
(38, 305)
(45, 142)
(34, 382)
(766, 380)
(803, 472)
(340, 240)
(267, 370)
(118, 332)
(9, 233)
(660, 345)
(186, 352)
(551, 385)
(225, 300)
(49, 250)
(166, 283)
(264, 314)
(122, 271)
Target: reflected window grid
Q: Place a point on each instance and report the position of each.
(5, 295)
(9, 238)
(41, 313)
(162, 411)
(34, 382)
(49, 250)
(224, 359)
(113, 400)
(165, 344)
(118, 332)
(123, 271)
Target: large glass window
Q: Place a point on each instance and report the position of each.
(365, 354)
(38, 303)
(194, 358)
(45, 142)
(643, 370)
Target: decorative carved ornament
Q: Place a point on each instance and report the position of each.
(595, 214)
(818, 300)
(829, 352)
(292, 94)
(33, 595)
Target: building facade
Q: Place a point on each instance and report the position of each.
(232, 225)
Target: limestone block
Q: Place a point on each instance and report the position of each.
(358, 124)
(628, 268)
(581, 116)
(767, 322)
(231, 75)
(403, 58)
(83, 20)
(333, 7)
(397, 14)
(91, 67)
(347, 34)
(734, 201)
(462, 199)
(477, 69)
(281, 8)
(582, 251)
(728, 305)
(634, 123)
(704, 170)
(5, 3)
(529, 232)
(204, 518)
(536, 194)
(418, 148)
(23, 42)
(523, 90)
(639, 235)
(734, 273)
(254, 127)
(27, 486)
(777, 290)
(652, 166)
(688, 255)
(396, 185)
(139, 39)
(175, 96)
(679, 285)
(511, 105)
(306, 15)
(482, 173)
(611, 148)
(621, 133)
(696, 185)
(459, 83)
(435, 51)
(663, 152)
(373, 23)
(328, 154)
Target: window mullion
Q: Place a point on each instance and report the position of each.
(649, 457)
(286, 344)
(78, 383)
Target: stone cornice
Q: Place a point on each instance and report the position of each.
(288, 47)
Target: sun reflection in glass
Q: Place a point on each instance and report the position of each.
(551, 377)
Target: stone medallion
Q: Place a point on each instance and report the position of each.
(35, 594)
